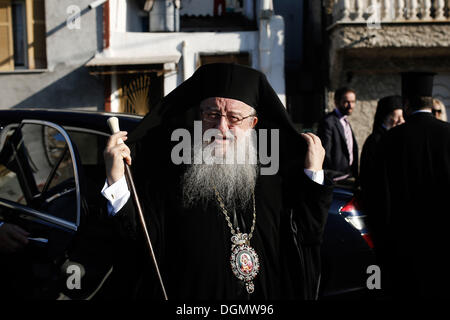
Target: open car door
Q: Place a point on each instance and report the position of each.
(41, 191)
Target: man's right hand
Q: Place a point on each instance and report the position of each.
(315, 154)
(114, 154)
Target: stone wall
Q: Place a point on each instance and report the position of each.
(418, 35)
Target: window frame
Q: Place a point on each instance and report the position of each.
(35, 46)
(25, 34)
(33, 213)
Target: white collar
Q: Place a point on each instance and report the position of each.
(421, 111)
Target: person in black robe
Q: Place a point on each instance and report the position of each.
(408, 198)
(193, 243)
(388, 115)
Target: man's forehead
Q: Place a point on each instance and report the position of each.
(227, 104)
(349, 96)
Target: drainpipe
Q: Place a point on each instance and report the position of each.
(106, 36)
(185, 62)
(106, 26)
(265, 36)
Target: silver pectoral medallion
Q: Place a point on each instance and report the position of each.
(244, 260)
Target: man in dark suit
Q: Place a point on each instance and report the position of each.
(341, 157)
(408, 213)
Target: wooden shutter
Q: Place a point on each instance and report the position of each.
(6, 37)
(37, 52)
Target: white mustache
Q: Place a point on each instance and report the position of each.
(229, 136)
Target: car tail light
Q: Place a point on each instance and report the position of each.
(352, 205)
(368, 239)
(353, 215)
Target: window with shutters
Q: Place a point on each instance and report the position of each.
(22, 35)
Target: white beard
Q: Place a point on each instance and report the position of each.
(235, 182)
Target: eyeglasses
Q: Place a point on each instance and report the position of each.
(435, 111)
(214, 117)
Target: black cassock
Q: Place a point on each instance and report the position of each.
(409, 208)
(193, 246)
(368, 161)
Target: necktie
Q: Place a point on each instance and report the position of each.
(348, 138)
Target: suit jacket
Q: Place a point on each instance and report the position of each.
(408, 208)
(337, 157)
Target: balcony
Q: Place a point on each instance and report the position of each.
(376, 12)
(387, 36)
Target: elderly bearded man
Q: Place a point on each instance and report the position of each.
(192, 210)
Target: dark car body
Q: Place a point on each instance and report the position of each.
(347, 250)
(81, 238)
(345, 254)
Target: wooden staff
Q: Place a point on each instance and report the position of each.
(113, 124)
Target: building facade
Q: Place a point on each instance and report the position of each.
(44, 46)
(125, 55)
(370, 42)
(155, 45)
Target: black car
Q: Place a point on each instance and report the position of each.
(51, 174)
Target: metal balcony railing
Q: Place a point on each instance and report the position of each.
(390, 11)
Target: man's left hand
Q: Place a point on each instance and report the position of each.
(315, 154)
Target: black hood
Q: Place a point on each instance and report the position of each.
(180, 107)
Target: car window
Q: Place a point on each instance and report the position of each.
(37, 170)
(89, 145)
(47, 150)
(10, 188)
